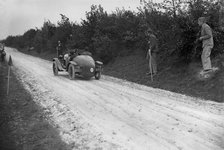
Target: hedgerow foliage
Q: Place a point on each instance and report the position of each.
(121, 32)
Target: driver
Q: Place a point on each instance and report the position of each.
(73, 54)
(70, 55)
(59, 49)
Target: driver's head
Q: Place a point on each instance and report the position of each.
(73, 51)
(149, 32)
(201, 20)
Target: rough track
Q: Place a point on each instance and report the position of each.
(115, 114)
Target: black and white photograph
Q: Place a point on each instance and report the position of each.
(111, 74)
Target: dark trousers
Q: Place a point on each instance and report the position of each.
(152, 63)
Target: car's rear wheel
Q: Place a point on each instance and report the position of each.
(71, 72)
(55, 69)
(97, 75)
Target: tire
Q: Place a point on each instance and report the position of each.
(55, 69)
(97, 75)
(71, 72)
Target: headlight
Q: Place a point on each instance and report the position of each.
(91, 69)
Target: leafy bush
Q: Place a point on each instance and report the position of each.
(123, 31)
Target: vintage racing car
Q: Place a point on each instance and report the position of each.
(2, 52)
(78, 64)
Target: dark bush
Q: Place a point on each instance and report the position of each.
(122, 32)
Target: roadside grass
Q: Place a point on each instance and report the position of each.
(172, 75)
(23, 124)
(44, 55)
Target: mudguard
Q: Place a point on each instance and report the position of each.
(77, 68)
(58, 63)
(99, 63)
(74, 63)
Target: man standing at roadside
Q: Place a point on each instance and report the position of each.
(59, 49)
(152, 52)
(207, 44)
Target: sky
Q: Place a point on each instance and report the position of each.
(18, 16)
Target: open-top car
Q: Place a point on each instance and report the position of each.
(78, 64)
(2, 52)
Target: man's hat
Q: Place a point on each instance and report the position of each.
(202, 19)
(149, 30)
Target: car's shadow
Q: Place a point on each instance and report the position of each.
(65, 75)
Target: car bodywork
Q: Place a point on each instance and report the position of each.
(81, 65)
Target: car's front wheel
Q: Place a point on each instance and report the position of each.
(97, 75)
(71, 72)
(55, 69)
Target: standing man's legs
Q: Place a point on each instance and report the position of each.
(205, 58)
(152, 63)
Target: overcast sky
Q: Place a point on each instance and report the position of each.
(18, 16)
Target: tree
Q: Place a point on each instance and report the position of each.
(28, 38)
(47, 32)
(172, 6)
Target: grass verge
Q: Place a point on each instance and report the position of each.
(23, 124)
(177, 77)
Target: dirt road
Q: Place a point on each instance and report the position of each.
(115, 114)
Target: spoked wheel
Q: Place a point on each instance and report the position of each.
(97, 75)
(71, 72)
(55, 69)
